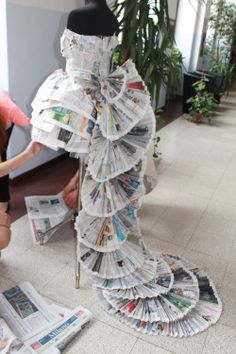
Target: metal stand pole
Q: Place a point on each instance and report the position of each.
(77, 264)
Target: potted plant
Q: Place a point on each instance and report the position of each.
(203, 104)
(147, 38)
(220, 42)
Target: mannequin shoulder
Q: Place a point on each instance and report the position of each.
(78, 13)
(79, 16)
(93, 21)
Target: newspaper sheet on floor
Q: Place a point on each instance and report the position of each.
(26, 312)
(45, 213)
(29, 325)
(57, 338)
(9, 343)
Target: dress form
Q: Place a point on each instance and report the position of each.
(94, 19)
(151, 292)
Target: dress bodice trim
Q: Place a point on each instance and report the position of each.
(72, 41)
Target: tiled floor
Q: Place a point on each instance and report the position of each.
(192, 213)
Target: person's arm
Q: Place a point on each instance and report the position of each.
(17, 116)
(32, 150)
(12, 113)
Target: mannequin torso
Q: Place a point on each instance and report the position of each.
(94, 19)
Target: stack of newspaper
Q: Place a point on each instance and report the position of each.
(29, 325)
(45, 214)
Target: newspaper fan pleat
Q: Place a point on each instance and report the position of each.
(59, 89)
(59, 138)
(205, 313)
(107, 198)
(142, 275)
(126, 101)
(181, 298)
(63, 116)
(114, 264)
(106, 234)
(160, 284)
(109, 159)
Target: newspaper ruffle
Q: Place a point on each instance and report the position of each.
(205, 313)
(109, 159)
(142, 275)
(61, 90)
(116, 264)
(126, 101)
(59, 138)
(160, 284)
(67, 119)
(106, 234)
(181, 298)
(63, 115)
(107, 198)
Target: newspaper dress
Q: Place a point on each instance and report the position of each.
(104, 113)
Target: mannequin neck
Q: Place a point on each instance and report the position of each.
(96, 2)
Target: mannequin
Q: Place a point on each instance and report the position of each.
(94, 19)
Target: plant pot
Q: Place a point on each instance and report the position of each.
(189, 90)
(197, 117)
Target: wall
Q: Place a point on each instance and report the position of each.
(3, 47)
(173, 5)
(33, 38)
(188, 32)
(58, 5)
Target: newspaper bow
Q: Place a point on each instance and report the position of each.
(121, 100)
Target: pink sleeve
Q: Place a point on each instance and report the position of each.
(17, 116)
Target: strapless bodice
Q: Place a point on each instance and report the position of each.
(86, 55)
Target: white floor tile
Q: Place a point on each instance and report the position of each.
(38, 268)
(102, 339)
(220, 340)
(229, 281)
(147, 348)
(228, 297)
(212, 244)
(62, 288)
(6, 284)
(192, 345)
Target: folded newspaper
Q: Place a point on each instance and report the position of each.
(46, 214)
(29, 325)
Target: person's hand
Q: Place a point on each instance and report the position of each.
(5, 219)
(70, 192)
(71, 198)
(34, 148)
(72, 185)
